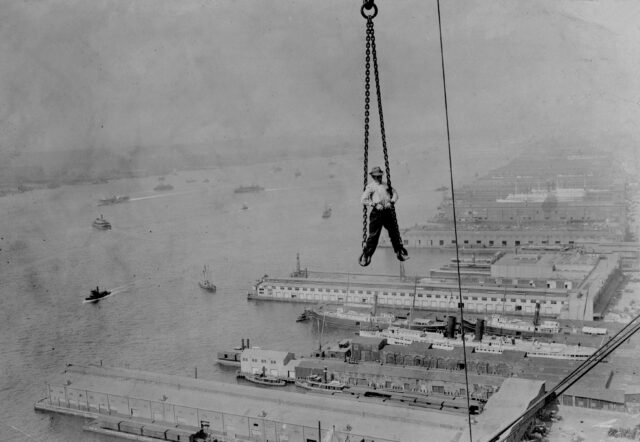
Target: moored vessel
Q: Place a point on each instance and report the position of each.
(316, 383)
(351, 319)
(263, 379)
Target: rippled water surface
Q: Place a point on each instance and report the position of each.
(159, 319)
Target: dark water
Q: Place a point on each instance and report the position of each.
(159, 319)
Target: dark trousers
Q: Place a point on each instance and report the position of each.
(377, 220)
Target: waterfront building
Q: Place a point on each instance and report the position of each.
(278, 364)
(569, 284)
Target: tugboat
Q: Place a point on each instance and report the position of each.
(101, 223)
(97, 295)
(205, 284)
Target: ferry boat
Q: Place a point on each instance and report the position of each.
(113, 200)
(248, 189)
(101, 223)
(316, 383)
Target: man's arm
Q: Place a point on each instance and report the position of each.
(366, 196)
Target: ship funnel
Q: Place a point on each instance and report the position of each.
(479, 330)
(451, 327)
(248, 345)
(324, 372)
(242, 347)
(536, 317)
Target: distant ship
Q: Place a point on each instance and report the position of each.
(245, 207)
(248, 189)
(442, 189)
(163, 186)
(205, 284)
(113, 200)
(96, 295)
(101, 223)
(327, 212)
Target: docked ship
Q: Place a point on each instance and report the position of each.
(316, 383)
(248, 189)
(501, 325)
(263, 379)
(351, 319)
(101, 223)
(480, 343)
(163, 186)
(113, 200)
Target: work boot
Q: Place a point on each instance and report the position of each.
(364, 260)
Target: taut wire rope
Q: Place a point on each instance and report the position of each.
(455, 225)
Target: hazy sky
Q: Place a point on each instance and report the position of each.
(88, 74)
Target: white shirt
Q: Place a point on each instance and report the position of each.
(377, 193)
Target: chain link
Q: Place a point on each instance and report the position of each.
(371, 41)
(367, 100)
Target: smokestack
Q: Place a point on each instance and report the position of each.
(242, 343)
(248, 346)
(536, 317)
(451, 327)
(479, 330)
(325, 374)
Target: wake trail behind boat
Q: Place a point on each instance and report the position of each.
(140, 198)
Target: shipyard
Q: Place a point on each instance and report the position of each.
(214, 233)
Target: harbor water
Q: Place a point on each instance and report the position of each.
(158, 318)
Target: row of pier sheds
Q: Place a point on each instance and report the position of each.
(372, 362)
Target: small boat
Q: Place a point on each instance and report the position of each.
(327, 212)
(315, 383)
(245, 207)
(161, 187)
(248, 189)
(442, 189)
(205, 284)
(101, 223)
(303, 317)
(96, 295)
(262, 379)
(113, 200)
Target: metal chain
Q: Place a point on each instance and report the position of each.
(382, 130)
(367, 99)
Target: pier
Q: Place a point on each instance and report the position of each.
(233, 412)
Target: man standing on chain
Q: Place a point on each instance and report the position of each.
(380, 197)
